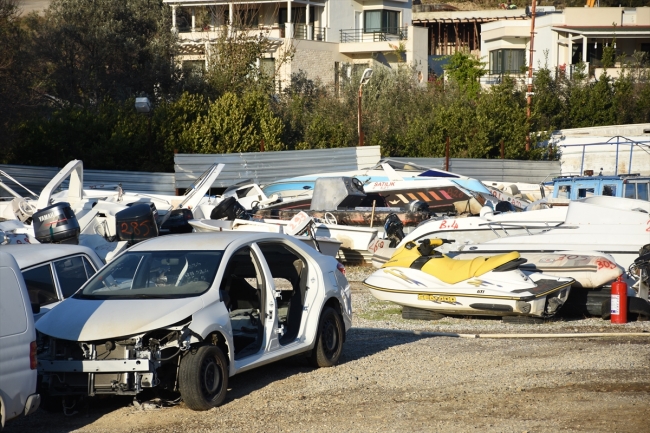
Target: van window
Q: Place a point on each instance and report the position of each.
(564, 191)
(71, 273)
(13, 316)
(585, 192)
(40, 285)
(642, 191)
(609, 190)
(630, 191)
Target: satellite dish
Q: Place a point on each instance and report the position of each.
(298, 224)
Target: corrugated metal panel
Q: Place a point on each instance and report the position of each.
(132, 181)
(35, 178)
(498, 170)
(265, 167)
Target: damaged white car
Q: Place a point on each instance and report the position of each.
(184, 312)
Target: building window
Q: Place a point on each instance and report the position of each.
(507, 61)
(381, 21)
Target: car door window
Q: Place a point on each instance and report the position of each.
(40, 285)
(71, 273)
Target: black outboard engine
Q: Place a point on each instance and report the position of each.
(230, 209)
(137, 223)
(56, 224)
(394, 228)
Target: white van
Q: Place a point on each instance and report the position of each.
(17, 344)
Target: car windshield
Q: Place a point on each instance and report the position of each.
(154, 274)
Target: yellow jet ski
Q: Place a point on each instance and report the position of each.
(429, 285)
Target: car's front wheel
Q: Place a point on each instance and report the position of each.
(329, 339)
(203, 378)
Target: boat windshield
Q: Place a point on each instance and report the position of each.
(154, 274)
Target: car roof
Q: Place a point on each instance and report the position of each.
(7, 260)
(204, 240)
(33, 254)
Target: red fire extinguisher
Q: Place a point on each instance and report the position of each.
(619, 301)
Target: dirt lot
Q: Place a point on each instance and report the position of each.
(395, 376)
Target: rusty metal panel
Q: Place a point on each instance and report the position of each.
(265, 167)
(498, 170)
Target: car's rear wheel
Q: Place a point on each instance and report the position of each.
(329, 339)
(203, 378)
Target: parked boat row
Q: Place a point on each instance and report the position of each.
(434, 235)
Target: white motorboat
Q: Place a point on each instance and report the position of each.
(398, 184)
(609, 225)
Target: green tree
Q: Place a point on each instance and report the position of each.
(465, 70)
(235, 124)
(98, 49)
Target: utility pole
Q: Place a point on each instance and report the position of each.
(529, 92)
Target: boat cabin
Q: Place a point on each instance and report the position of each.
(577, 187)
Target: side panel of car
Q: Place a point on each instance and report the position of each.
(213, 319)
(17, 334)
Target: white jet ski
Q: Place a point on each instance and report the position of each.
(429, 284)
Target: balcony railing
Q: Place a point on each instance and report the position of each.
(301, 32)
(379, 35)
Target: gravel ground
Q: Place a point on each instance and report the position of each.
(395, 376)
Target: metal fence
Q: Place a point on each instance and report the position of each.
(498, 170)
(35, 178)
(265, 167)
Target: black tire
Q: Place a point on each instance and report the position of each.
(329, 339)
(420, 314)
(203, 378)
(51, 404)
(523, 320)
(639, 307)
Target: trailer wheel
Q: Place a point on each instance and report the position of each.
(329, 339)
(523, 320)
(420, 314)
(203, 378)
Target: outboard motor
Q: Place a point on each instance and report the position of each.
(137, 223)
(56, 224)
(393, 227)
(230, 209)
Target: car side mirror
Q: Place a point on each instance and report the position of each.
(36, 307)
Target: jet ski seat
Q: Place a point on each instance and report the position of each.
(452, 271)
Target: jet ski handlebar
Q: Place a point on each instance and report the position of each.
(427, 246)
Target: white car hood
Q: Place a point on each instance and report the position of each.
(89, 320)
